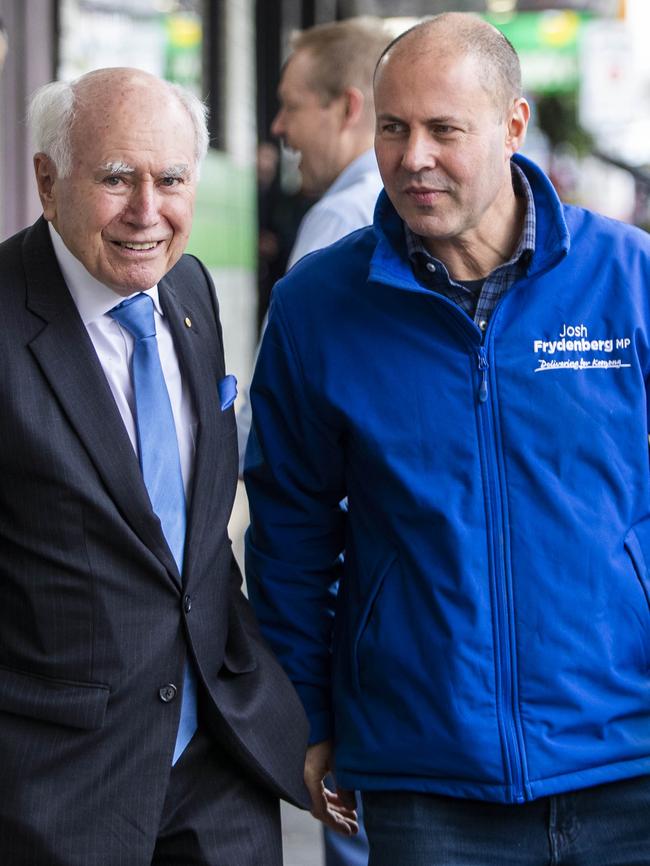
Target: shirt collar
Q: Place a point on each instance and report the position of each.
(363, 164)
(92, 298)
(415, 244)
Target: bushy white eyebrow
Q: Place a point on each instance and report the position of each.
(117, 168)
(180, 170)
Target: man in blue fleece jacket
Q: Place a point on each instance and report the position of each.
(471, 373)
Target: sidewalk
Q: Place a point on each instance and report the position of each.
(302, 839)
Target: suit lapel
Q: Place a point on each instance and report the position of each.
(197, 352)
(70, 364)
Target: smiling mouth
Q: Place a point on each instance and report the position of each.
(131, 245)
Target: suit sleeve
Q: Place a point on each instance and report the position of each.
(294, 480)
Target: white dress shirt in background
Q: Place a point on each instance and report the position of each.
(346, 206)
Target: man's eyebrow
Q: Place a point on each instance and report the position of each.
(182, 169)
(392, 117)
(431, 121)
(117, 168)
(444, 119)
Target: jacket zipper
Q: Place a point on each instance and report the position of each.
(505, 614)
(507, 708)
(483, 368)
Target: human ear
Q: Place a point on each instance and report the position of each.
(518, 118)
(354, 104)
(45, 181)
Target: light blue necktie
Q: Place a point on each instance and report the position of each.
(159, 460)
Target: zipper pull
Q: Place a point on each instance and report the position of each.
(483, 367)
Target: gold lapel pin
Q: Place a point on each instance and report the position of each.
(188, 322)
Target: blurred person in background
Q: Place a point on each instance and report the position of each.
(326, 114)
(279, 212)
(472, 373)
(143, 720)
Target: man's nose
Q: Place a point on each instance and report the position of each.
(419, 152)
(277, 127)
(142, 209)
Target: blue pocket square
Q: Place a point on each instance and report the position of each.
(227, 391)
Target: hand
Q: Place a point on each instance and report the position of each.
(335, 809)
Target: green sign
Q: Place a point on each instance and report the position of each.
(548, 46)
(183, 50)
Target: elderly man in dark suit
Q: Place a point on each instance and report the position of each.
(142, 718)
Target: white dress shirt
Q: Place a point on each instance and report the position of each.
(347, 205)
(114, 347)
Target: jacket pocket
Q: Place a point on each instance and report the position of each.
(383, 567)
(75, 704)
(637, 545)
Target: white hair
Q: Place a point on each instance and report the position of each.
(52, 111)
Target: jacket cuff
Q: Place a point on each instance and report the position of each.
(316, 702)
(321, 727)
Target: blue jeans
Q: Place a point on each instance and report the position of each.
(608, 825)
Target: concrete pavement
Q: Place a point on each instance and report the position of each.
(301, 838)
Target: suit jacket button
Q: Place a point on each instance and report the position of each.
(167, 693)
(187, 604)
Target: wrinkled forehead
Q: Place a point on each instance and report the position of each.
(108, 98)
(130, 117)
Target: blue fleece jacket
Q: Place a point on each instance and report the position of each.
(487, 633)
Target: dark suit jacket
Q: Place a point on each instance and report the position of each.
(94, 617)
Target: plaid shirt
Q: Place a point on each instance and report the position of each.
(478, 298)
